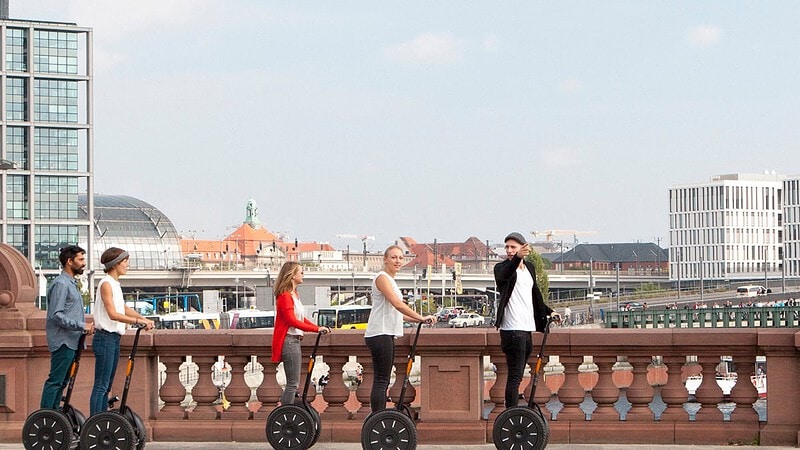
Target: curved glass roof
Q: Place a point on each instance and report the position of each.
(135, 226)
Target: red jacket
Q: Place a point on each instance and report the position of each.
(285, 318)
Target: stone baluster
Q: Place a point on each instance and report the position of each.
(172, 392)
(709, 394)
(674, 392)
(237, 392)
(587, 378)
(336, 393)
(744, 394)
(605, 393)
(622, 376)
(689, 371)
(571, 392)
(497, 393)
(553, 380)
(365, 388)
(205, 393)
(657, 377)
(640, 394)
(269, 392)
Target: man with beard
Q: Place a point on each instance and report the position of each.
(65, 323)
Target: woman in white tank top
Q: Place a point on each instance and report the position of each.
(385, 323)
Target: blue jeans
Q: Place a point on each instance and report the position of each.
(106, 357)
(517, 346)
(382, 349)
(58, 379)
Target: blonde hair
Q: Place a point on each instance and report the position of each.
(390, 248)
(284, 281)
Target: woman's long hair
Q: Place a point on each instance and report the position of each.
(284, 281)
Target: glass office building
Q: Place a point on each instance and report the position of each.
(45, 138)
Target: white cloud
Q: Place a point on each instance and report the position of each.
(561, 157)
(570, 85)
(704, 35)
(490, 42)
(440, 48)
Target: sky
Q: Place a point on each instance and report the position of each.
(434, 120)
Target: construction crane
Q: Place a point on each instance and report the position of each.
(548, 234)
(364, 238)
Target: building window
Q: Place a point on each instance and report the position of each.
(55, 101)
(17, 146)
(16, 99)
(16, 49)
(50, 240)
(56, 149)
(56, 197)
(17, 237)
(17, 197)
(55, 52)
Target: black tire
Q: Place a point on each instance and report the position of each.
(290, 427)
(47, 429)
(389, 429)
(108, 430)
(317, 425)
(141, 431)
(521, 428)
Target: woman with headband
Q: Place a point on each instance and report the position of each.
(111, 318)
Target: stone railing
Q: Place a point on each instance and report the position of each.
(727, 317)
(600, 386)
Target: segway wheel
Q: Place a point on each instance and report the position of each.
(290, 427)
(47, 429)
(388, 429)
(317, 425)
(520, 427)
(108, 430)
(141, 431)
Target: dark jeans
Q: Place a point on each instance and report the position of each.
(382, 349)
(517, 346)
(106, 356)
(53, 389)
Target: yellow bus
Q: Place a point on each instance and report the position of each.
(350, 317)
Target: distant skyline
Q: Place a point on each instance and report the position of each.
(434, 120)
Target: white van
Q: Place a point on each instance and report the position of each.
(750, 291)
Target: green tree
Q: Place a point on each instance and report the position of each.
(541, 273)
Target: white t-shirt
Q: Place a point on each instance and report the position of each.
(384, 318)
(101, 319)
(299, 314)
(519, 310)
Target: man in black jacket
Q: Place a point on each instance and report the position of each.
(520, 311)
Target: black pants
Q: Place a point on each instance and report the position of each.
(517, 346)
(382, 349)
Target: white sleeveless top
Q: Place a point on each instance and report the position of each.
(384, 318)
(101, 319)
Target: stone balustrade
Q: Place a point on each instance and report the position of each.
(600, 386)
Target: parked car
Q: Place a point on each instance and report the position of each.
(632, 306)
(466, 320)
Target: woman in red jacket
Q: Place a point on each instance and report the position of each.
(290, 323)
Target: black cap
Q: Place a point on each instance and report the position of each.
(515, 236)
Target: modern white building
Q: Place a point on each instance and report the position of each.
(729, 228)
(791, 226)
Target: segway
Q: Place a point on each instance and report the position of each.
(296, 426)
(393, 428)
(524, 427)
(54, 429)
(118, 429)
